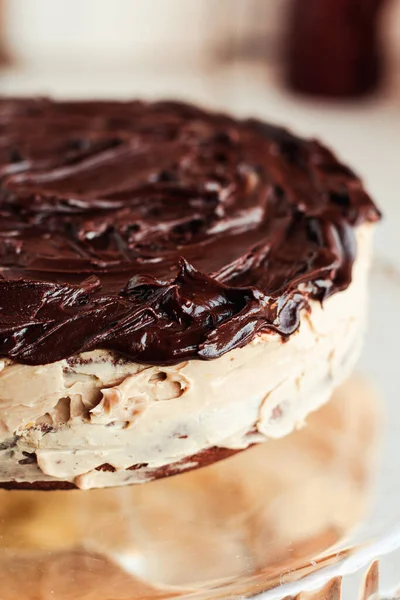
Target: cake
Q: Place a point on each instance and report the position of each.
(176, 286)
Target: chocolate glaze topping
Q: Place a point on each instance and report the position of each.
(161, 231)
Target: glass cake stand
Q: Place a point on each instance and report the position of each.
(313, 515)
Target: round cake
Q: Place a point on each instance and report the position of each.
(176, 285)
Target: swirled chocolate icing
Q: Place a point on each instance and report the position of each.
(161, 231)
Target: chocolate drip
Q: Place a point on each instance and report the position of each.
(161, 231)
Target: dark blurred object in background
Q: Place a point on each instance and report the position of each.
(334, 47)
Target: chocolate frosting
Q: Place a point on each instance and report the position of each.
(161, 231)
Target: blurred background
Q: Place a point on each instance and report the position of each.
(329, 68)
(330, 47)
